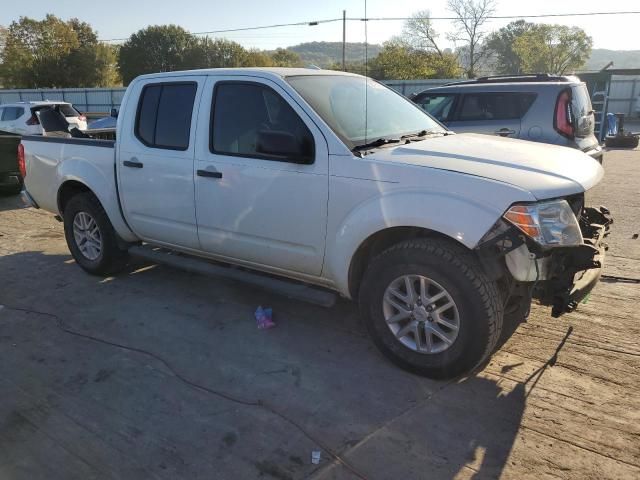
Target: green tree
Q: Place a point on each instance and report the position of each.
(257, 58)
(55, 53)
(286, 58)
(500, 43)
(218, 53)
(553, 49)
(159, 48)
(399, 61)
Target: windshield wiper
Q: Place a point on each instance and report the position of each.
(376, 143)
(423, 133)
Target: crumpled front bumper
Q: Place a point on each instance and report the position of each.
(574, 271)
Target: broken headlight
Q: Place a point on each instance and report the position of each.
(551, 223)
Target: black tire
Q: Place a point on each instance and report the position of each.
(455, 268)
(111, 257)
(515, 313)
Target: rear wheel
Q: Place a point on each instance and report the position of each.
(430, 308)
(90, 236)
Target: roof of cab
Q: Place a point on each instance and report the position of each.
(265, 72)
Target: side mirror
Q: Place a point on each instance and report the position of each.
(114, 113)
(284, 144)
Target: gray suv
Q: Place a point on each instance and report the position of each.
(540, 108)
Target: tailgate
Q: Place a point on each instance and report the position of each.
(8, 152)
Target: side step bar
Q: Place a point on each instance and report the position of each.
(290, 289)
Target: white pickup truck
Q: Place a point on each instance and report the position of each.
(334, 180)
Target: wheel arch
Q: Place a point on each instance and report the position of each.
(378, 242)
(73, 185)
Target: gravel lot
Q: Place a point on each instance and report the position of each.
(156, 373)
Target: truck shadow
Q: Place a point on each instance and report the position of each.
(318, 366)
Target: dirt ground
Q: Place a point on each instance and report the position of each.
(156, 373)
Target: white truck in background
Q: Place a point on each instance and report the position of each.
(334, 180)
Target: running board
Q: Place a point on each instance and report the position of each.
(290, 289)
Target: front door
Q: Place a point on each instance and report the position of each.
(261, 177)
(155, 161)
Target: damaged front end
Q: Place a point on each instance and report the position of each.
(558, 262)
(574, 271)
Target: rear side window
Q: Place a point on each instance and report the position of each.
(495, 106)
(164, 115)
(11, 113)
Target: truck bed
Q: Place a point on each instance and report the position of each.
(52, 160)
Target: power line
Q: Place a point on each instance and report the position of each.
(497, 17)
(378, 19)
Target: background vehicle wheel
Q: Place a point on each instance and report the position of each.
(430, 308)
(13, 190)
(90, 236)
(623, 141)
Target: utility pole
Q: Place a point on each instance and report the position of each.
(344, 39)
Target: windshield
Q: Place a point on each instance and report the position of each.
(340, 101)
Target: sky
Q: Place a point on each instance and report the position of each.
(123, 17)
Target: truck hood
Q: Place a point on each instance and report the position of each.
(546, 171)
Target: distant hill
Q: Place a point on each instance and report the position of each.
(621, 59)
(324, 54)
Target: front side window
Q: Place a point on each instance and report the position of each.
(251, 119)
(437, 105)
(495, 106)
(360, 110)
(164, 115)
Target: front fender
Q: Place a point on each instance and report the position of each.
(457, 217)
(101, 181)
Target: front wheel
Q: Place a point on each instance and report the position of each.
(430, 308)
(90, 236)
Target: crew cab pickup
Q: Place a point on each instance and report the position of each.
(334, 180)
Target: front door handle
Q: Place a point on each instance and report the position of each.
(503, 132)
(209, 173)
(133, 163)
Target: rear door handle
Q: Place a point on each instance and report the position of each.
(209, 173)
(133, 164)
(504, 132)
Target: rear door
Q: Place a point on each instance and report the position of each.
(155, 161)
(491, 113)
(255, 202)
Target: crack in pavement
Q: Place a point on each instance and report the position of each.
(230, 397)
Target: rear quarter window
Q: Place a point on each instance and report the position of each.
(11, 113)
(495, 106)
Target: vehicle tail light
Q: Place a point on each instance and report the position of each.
(563, 121)
(33, 120)
(82, 118)
(22, 165)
